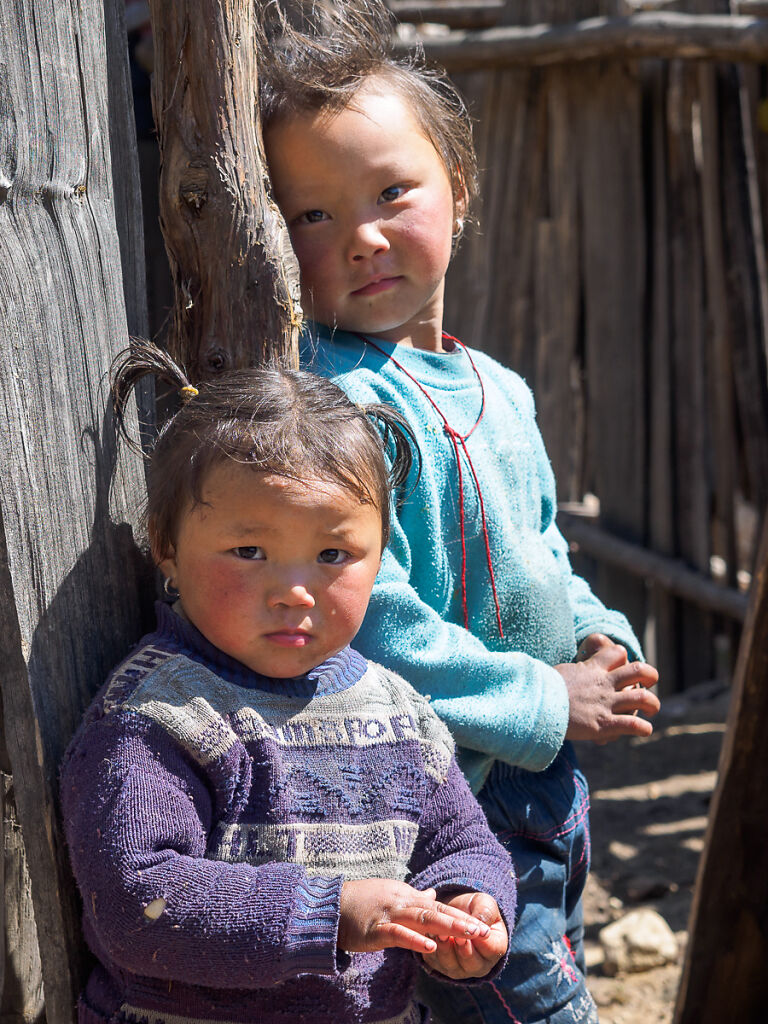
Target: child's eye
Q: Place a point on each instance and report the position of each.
(311, 217)
(253, 554)
(390, 194)
(332, 556)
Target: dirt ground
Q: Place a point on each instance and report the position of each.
(650, 800)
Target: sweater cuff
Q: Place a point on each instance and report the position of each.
(476, 881)
(312, 933)
(547, 734)
(615, 626)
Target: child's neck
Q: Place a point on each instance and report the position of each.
(427, 338)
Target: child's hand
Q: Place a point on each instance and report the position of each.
(377, 913)
(471, 958)
(606, 690)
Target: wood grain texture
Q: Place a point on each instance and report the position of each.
(71, 576)
(614, 280)
(21, 978)
(235, 277)
(724, 970)
(643, 35)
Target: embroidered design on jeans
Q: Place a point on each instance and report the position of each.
(562, 965)
(584, 1009)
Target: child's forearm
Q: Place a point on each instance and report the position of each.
(457, 852)
(505, 704)
(158, 906)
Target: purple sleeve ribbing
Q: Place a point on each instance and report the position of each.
(457, 850)
(137, 814)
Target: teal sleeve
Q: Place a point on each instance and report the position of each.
(507, 705)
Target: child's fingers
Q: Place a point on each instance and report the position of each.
(392, 934)
(479, 904)
(635, 673)
(623, 725)
(446, 960)
(439, 920)
(461, 958)
(592, 644)
(493, 946)
(634, 700)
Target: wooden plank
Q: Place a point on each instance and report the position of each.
(744, 257)
(70, 573)
(691, 443)
(467, 291)
(557, 292)
(518, 162)
(126, 182)
(662, 627)
(21, 977)
(609, 164)
(241, 305)
(724, 971)
(454, 13)
(489, 287)
(672, 574)
(648, 34)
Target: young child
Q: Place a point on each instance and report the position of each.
(372, 165)
(264, 826)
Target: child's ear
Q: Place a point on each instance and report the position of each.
(167, 567)
(163, 554)
(460, 204)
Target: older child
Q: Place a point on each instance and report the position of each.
(265, 827)
(372, 165)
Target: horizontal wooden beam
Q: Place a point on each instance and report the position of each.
(652, 34)
(670, 573)
(453, 13)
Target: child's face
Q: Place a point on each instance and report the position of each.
(370, 209)
(274, 572)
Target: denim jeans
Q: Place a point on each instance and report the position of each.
(542, 818)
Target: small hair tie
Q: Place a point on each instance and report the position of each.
(188, 392)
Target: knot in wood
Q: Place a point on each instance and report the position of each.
(193, 189)
(217, 359)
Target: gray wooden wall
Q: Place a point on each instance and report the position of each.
(73, 584)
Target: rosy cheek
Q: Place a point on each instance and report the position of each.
(312, 257)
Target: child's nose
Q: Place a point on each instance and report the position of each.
(368, 239)
(291, 595)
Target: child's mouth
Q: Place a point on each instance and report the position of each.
(380, 284)
(289, 638)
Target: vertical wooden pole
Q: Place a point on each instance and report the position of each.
(236, 281)
(724, 972)
(71, 576)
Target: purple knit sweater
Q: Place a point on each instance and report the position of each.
(212, 815)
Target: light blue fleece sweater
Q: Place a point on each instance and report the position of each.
(501, 698)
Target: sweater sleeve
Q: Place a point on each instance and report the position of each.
(457, 851)
(137, 817)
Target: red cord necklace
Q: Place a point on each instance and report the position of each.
(459, 441)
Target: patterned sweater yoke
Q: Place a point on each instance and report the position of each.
(213, 815)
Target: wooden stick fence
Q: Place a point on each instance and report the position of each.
(652, 35)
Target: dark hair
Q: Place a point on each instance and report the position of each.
(285, 422)
(335, 49)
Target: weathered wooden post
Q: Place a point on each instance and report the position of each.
(71, 576)
(235, 277)
(724, 972)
